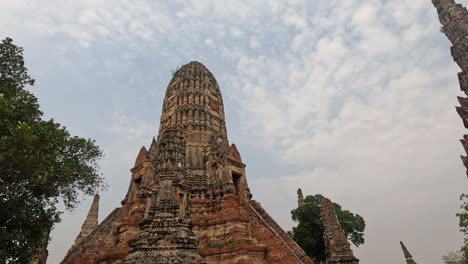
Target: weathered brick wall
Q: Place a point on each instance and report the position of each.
(108, 243)
(239, 232)
(87, 251)
(289, 244)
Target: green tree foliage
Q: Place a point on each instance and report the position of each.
(454, 258)
(40, 163)
(462, 255)
(308, 234)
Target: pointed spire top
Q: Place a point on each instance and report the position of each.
(405, 250)
(152, 149)
(141, 157)
(92, 218)
(234, 152)
(300, 198)
(95, 200)
(408, 257)
(91, 221)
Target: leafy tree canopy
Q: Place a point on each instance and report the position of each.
(40, 163)
(461, 256)
(308, 234)
(454, 258)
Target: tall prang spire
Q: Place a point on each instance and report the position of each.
(337, 248)
(189, 201)
(408, 257)
(91, 221)
(454, 20)
(193, 102)
(193, 108)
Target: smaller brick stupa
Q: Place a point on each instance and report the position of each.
(338, 249)
(91, 221)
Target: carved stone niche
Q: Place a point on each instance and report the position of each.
(181, 197)
(236, 176)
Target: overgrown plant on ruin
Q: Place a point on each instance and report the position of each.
(313, 220)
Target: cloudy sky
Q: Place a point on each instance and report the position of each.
(351, 99)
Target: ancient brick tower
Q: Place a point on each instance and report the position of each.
(188, 199)
(454, 20)
(338, 250)
(408, 257)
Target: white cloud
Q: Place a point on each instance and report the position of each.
(390, 142)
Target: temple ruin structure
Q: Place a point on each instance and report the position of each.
(188, 199)
(454, 20)
(338, 249)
